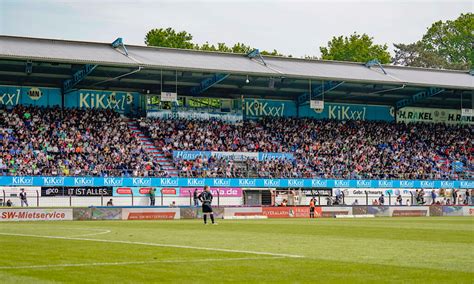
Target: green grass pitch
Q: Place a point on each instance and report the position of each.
(435, 250)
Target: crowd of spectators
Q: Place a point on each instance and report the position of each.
(48, 141)
(323, 148)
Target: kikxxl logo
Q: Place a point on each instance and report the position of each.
(113, 181)
(385, 183)
(22, 181)
(53, 181)
(447, 184)
(341, 183)
(246, 182)
(363, 183)
(196, 182)
(82, 181)
(141, 181)
(271, 183)
(221, 182)
(428, 184)
(169, 181)
(296, 182)
(319, 183)
(407, 183)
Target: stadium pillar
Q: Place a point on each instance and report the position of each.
(37, 199)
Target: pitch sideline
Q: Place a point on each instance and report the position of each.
(134, 262)
(154, 244)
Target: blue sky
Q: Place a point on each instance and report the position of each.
(291, 27)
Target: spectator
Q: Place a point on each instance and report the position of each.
(433, 196)
(47, 141)
(152, 196)
(110, 202)
(9, 203)
(454, 195)
(23, 198)
(381, 199)
(399, 199)
(195, 198)
(323, 148)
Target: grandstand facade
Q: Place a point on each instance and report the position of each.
(110, 114)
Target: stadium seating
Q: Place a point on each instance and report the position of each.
(323, 148)
(46, 141)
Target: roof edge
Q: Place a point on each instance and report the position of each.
(283, 58)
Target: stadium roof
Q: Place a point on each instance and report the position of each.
(56, 60)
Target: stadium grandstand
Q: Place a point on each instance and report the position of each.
(70, 108)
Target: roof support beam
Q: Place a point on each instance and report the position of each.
(78, 77)
(418, 97)
(256, 54)
(208, 83)
(375, 62)
(318, 91)
(119, 42)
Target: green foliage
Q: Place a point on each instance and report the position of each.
(444, 45)
(357, 48)
(183, 40)
(169, 38)
(416, 55)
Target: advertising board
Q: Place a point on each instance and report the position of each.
(28, 214)
(150, 213)
(29, 181)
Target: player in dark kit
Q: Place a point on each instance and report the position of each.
(206, 199)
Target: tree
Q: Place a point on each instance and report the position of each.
(183, 40)
(444, 45)
(357, 48)
(416, 55)
(169, 38)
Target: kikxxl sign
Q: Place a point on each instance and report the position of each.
(22, 181)
(216, 191)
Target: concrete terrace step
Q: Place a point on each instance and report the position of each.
(147, 143)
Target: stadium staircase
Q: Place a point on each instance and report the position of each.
(157, 154)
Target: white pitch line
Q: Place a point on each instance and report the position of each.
(133, 262)
(155, 245)
(103, 232)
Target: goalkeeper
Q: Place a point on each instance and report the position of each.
(206, 199)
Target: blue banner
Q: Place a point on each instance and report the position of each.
(255, 108)
(235, 156)
(348, 112)
(122, 102)
(232, 182)
(11, 96)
